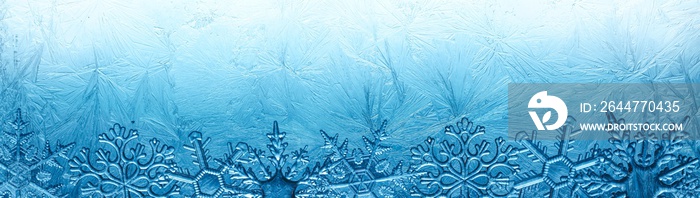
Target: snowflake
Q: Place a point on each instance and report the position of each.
(642, 165)
(26, 171)
(245, 171)
(560, 173)
(214, 180)
(359, 172)
(460, 166)
(122, 167)
(278, 173)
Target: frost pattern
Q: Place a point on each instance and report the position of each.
(230, 69)
(643, 164)
(460, 164)
(278, 172)
(211, 180)
(358, 172)
(559, 174)
(245, 171)
(28, 169)
(123, 167)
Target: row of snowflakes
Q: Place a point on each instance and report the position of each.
(461, 162)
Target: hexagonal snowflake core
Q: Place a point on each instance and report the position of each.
(557, 170)
(362, 181)
(208, 183)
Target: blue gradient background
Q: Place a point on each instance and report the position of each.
(229, 69)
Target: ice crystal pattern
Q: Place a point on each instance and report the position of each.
(642, 164)
(244, 171)
(278, 172)
(358, 172)
(213, 178)
(28, 169)
(559, 174)
(463, 164)
(123, 167)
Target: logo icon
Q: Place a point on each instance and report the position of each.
(540, 101)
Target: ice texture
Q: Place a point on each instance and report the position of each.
(126, 98)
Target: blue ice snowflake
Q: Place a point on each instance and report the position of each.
(461, 164)
(213, 178)
(245, 171)
(278, 172)
(358, 172)
(559, 174)
(123, 167)
(641, 164)
(28, 169)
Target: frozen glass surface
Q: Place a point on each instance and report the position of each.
(154, 98)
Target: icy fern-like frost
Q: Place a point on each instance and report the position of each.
(211, 180)
(558, 174)
(123, 167)
(28, 169)
(461, 162)
(642, 164)
(357, 172)
(278, 172)
(244, 171)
